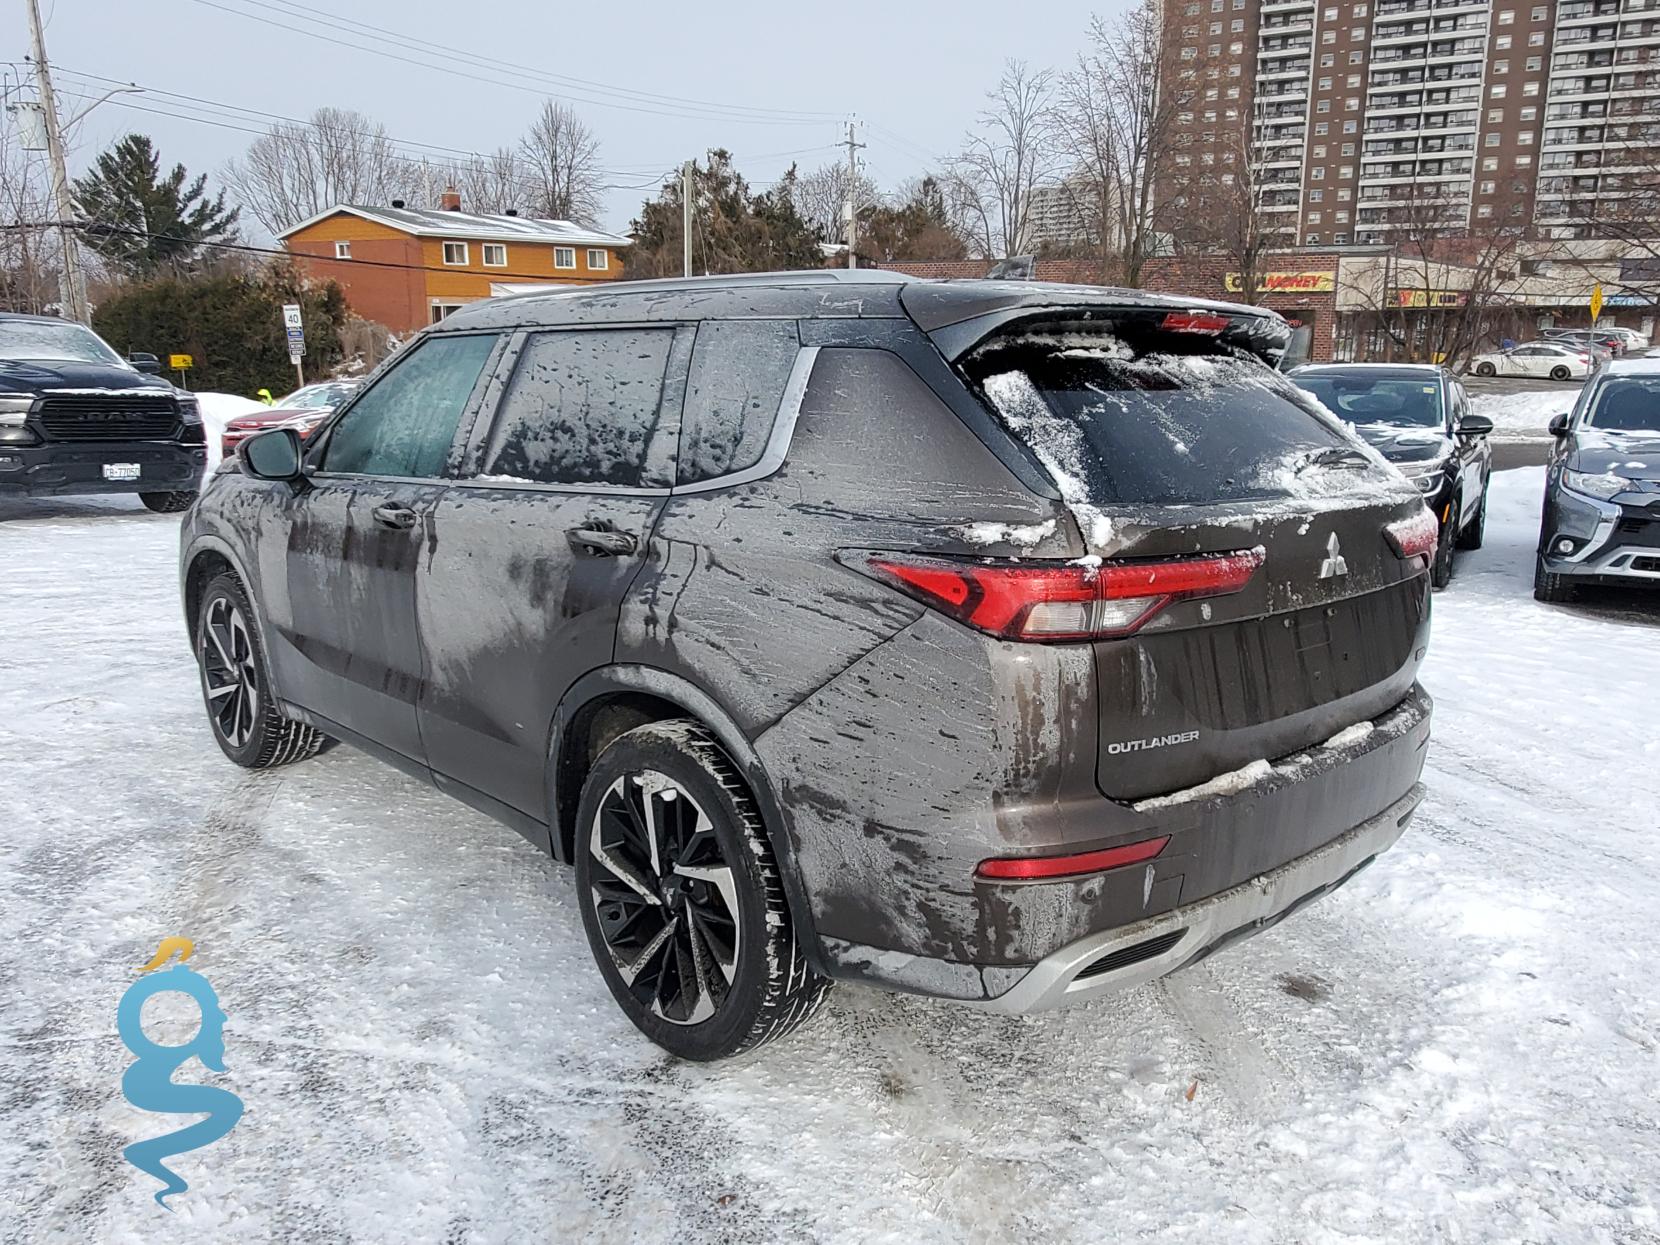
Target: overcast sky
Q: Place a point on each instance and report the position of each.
(914, 70)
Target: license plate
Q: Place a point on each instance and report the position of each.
(120, 471)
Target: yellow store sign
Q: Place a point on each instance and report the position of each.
(1285, 282)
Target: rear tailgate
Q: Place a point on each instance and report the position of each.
(1169, 444)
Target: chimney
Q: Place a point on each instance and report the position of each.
(450, 200)
(512, 211)
(397, 203)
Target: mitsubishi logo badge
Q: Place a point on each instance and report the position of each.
(1334, 565)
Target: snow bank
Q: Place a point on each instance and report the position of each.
(1523, 416)
(218, 409)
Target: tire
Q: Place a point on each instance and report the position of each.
(1440, 571)
(1473, 534)
(1560, 373)
(745, 988)
(1555, 589)
(168, 503)
(236, 685)
(1486, 369)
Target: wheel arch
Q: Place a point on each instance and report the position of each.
(612, 700)
(207, 558)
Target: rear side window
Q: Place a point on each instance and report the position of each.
(740, 369)
(582, 408)
(1164, 428)
(405, 424)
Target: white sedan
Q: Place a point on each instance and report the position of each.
(1535, 359)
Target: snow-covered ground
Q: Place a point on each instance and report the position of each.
(1462, 1045)
(1523, 416)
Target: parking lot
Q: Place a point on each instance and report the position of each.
(1460, 1045)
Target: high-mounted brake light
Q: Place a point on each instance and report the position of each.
(1049, 868)
(1196, 322)
(1414, 537)
(1048, 601)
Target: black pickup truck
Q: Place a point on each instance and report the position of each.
(75, 417)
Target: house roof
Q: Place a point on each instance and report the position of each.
(437, 223)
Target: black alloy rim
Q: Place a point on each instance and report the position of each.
(229, 674)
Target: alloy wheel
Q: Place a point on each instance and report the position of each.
(229, 673)
(666, 897)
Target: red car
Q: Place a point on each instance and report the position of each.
(303, 410)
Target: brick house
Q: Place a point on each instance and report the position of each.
(408, 267)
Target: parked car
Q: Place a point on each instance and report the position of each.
(1419, 418)
(303, 410)
(1601, 339)
(1601, 521)
(75, 417)
(1558, 362)
(939, 635)
(1634, 341)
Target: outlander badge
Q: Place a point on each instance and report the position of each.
(1334, 565)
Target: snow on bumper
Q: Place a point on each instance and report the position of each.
(1118, 959)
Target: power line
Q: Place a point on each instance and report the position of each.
(498, 81)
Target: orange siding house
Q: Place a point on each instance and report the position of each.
(409, 267)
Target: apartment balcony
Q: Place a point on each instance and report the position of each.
(1284, 72)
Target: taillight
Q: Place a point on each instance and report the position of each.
(1416, 536)
(1048, 868)
(1196, 322)
(1046, 601)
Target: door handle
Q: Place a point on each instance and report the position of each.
(593, 542)
(399, 518)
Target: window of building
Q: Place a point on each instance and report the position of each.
(1528, 114)
(1314, 218)
(1485, 210)
(1343, 194)
(1351, 104)
(404, 425)
(1323, 106)
(1325, 84)
(1495, 115)
(582, 408)
(1318, 173)
(1507, 16)
(1354, 80)
(495, 255)
(1214, 50)
(1349, 127)
(564, 257)
(1341, 218)
(1357, 34)
(599, 259)
(1327, 60)
(1329, 36)
(1238, 26)
(442, 311)
(1498, 91)
(1233, 92)
(1488, 188)
(1525, 138)
(1236, 48)
(1536, 39)
(1322, 127)
(1493, 139)
(455, 253)
(1312, 239)
(1530, 88)
(1502, 43)
(1523, 161)
(1348, 170)
(1320, 152)
(1348, 149)
(1316, 196)
(1539, 13)
(1356, 57)
(1340, 239)
(1360, 10)
(1501, 67)
(1489, 164)
(342, 250)
(1535, 64)
(1331, 15)
(1216, 28)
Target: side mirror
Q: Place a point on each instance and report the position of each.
(273, 455)
(1474, 426)
(1558, 425)
(146, 363)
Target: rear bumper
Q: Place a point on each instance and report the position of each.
(1118, 959)
(78, 467)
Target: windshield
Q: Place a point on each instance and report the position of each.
(330, 395)
(1165, 428)
(1627, 404)
(43, 340)
(1363, 398)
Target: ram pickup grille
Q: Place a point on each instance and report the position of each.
(108, 417)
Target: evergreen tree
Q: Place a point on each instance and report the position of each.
(919, 227)
(144, 222)
(733, 228)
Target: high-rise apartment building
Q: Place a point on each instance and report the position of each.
(1364, 121)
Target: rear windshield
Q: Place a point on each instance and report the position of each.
(1370, 398)
(1627, 404)
(1164, 428)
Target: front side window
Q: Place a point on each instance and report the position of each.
(405, 424)
(455, 253)
(564, 257)
(582, 408)
(740, 369)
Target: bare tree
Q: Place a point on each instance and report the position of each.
(1113, 124)
(1235, 216)
(559, 164)
(28, 269)
(490, 183)
(1009, 153)
(295, 171)
(821, 199)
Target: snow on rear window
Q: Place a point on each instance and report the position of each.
(1114, 427)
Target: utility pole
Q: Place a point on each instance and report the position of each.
(686, 219)
(71, 282)
(852, 198)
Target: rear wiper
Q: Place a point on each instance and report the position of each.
(1333, 456)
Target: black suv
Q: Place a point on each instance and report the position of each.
(75, 417)
(1001, 642)
(1601, 521)
(1418, 417)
